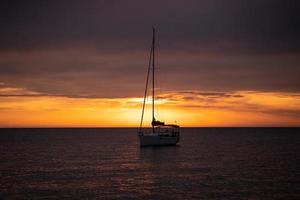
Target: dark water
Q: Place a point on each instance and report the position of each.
(209, 163)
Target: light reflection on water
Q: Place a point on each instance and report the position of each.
(109, 164)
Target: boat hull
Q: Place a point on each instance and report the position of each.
(158, 140)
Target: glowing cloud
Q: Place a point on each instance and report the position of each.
(22, 108)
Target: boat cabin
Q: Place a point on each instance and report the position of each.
(167, 129)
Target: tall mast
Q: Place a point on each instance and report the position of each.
(153, 48)
(151, 61)
(146, 89)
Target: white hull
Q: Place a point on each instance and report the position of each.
(158, 140)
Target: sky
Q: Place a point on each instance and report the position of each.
(84, 63)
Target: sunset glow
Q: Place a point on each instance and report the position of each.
(216, 63)
(188, 108)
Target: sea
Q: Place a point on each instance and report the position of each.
(108, 163)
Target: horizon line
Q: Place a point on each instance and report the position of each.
(133, 127)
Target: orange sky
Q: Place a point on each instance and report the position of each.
(187, 108)
(85, 64)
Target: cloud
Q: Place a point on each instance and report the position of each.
(241, 108)
(285, 104)
(86, 72)
(100, 48)
(238, 26)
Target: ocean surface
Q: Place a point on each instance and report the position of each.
(208, 163)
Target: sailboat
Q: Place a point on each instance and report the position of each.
(160, 134)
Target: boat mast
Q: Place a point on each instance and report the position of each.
(145, 94)
(153, 48)
(151, 61)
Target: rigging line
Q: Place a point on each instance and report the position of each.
(153, 80)
(157, 90)
(145, 94)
